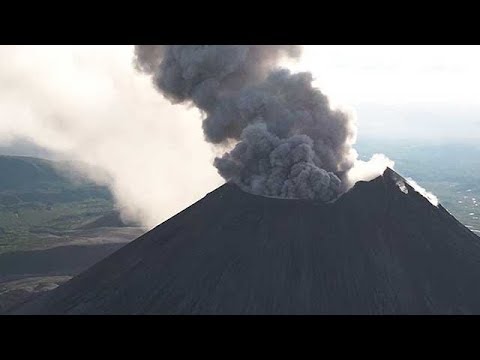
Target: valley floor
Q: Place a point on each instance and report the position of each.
(24, 274)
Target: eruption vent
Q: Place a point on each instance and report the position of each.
(289, 142)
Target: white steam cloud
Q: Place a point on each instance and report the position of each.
(88, 103)
(369, 170)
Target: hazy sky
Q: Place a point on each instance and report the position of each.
(396, 74)
(418, 92)
(424, 92)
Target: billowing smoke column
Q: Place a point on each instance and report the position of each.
(289, 142)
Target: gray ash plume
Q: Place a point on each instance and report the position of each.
(289, 142)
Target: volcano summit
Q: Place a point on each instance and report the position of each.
(381, 248)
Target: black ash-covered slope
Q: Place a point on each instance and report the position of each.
(376, 250)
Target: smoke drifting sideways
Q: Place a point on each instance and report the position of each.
(89, 105)
(288, 141)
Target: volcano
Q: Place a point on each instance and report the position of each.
(381, 248)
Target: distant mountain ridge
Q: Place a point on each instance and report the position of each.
(41, 200)
(32, 179)
(26, 172)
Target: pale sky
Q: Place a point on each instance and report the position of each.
(396, 74)
(418, 91)
(402, 91)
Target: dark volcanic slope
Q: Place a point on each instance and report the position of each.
(377, 250)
